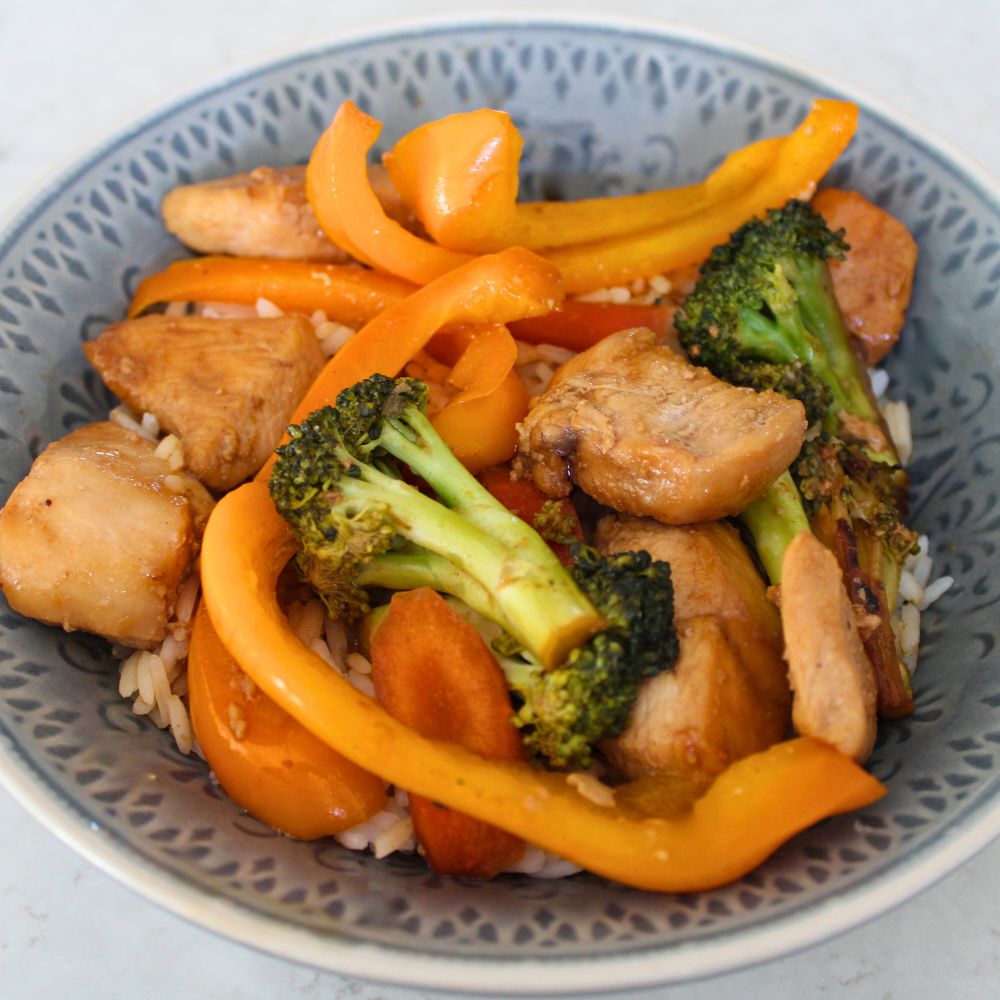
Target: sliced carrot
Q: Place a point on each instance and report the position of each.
(578, 325)
(524, 498)
(433, 671)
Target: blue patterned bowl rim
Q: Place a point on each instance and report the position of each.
(915, 870)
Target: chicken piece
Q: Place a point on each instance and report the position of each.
(264, 213)
(645, 432)
(100, 535)
(225, 387)
(830, 674)
(727, 695)
(874, 282)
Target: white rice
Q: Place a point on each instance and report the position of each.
(156, 680)
(641, 292)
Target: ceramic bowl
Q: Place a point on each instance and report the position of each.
(604, 108)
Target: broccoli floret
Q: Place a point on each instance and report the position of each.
(763, 314)
(563, 712)
(338, 484)
(578, 641)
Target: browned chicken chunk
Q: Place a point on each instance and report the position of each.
(830, 673)
(225, 387)
(264, 213)
(874, 282)
(645, 432)
(727, 696)
(100, 535)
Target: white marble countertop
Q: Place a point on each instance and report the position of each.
(74, 71)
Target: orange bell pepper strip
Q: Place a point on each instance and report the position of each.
(803, 159)
(578, 325)
(751, 809)
(548, 224)
(347, 294)
(433, 672)
(483, 431)
(479, 424)
(493, 289)
(459, 174)
(350, 214)
(266, 761)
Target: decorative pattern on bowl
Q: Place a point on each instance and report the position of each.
(601, 112)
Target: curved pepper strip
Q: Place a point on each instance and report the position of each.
(549, 224)
(350, 214)
(275, 768)
(459, 174)
(752, 808)
(479, 424)
(347, 294)
(803, 159)
(493, 289)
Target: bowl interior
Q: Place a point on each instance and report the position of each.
(602, 111)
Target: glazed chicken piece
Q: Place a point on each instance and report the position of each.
(830, 673)
(100, 535)
(264, 213)
(727, 695)
(874, 282)
(225, 387)
(640, 429)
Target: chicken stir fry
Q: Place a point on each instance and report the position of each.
(100, 536)
(264, 213)
(727, 696)
(225, 387)
(643, 431)
(670, 597)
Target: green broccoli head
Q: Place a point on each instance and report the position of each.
(338, 482)
(565, 711)
(763, 313)
(871, 493)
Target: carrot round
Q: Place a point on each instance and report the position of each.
(432, 671)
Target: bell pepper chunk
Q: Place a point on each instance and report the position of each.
(803, 159)
(479, 424)
(496, 288)
(750, 810)
(459, 174)
(432, 671)
(578, 325)
(351, 215)
(266, 761)
(347, 294)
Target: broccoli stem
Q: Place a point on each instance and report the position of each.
(508, 568)
(420, 568)
(821, 314)
(774, 520)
